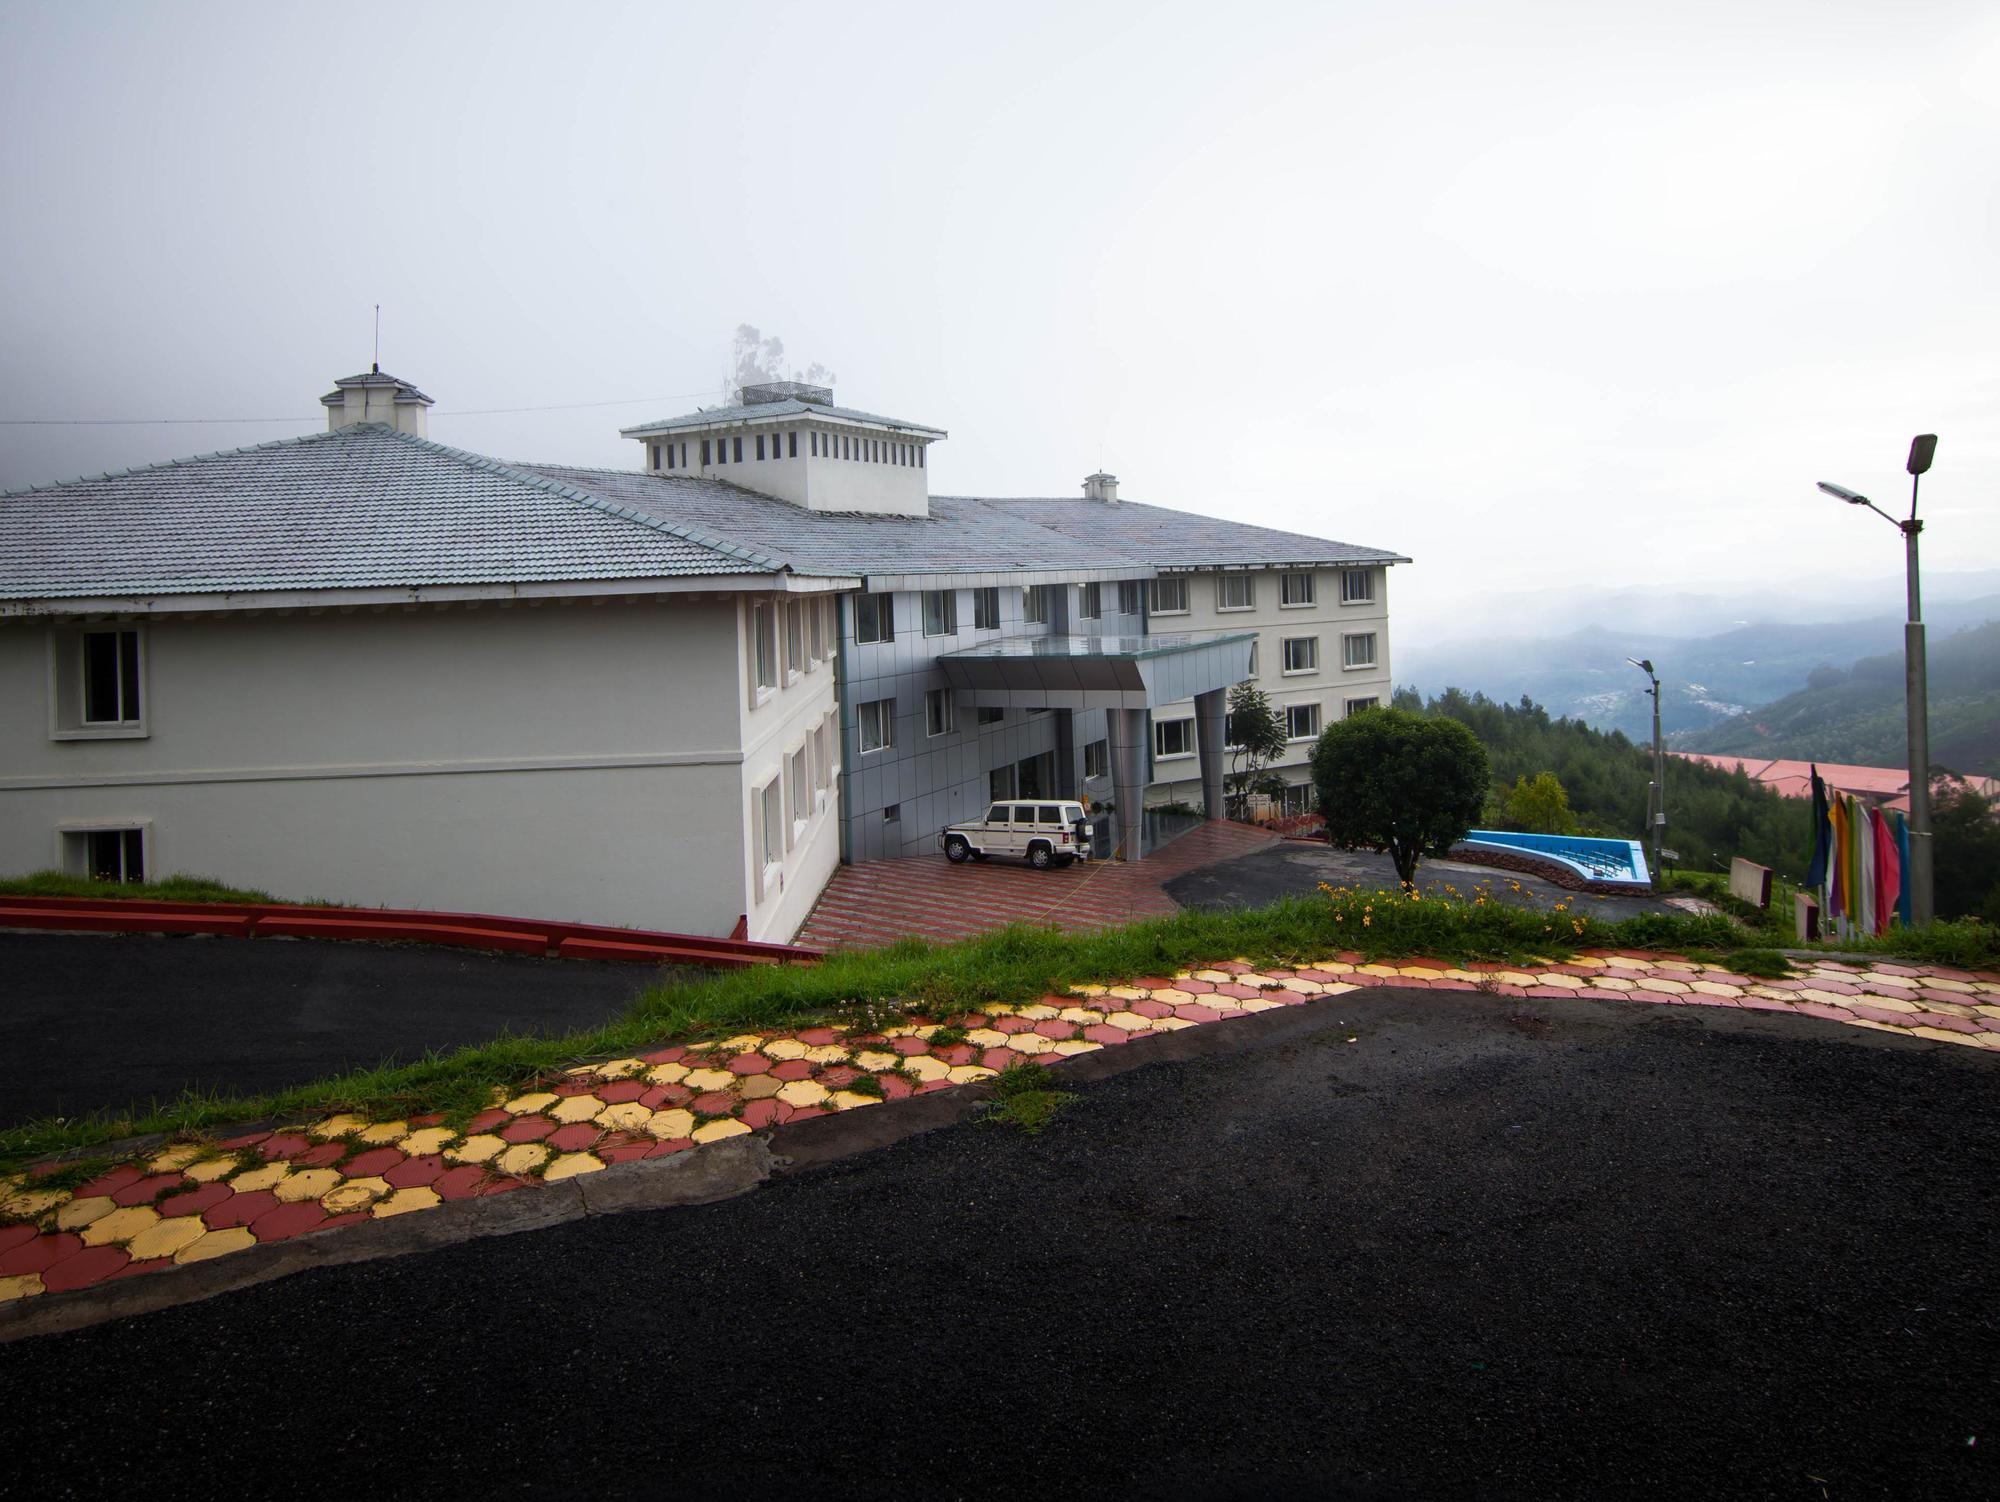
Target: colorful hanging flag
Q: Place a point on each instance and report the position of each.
(1888, 872)
(1822, 833)
(1903, 854)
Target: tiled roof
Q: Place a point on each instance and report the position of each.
(1181, 539)
(763, 410)
(360, 507)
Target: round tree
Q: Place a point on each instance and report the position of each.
(1395, 781)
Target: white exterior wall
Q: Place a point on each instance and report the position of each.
(1330, 685)
(581, 762)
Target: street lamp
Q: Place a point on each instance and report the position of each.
(1656, 795)
(1916, 695)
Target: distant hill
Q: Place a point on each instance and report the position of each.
(1858, 716)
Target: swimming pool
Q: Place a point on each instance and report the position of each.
(1617, 862)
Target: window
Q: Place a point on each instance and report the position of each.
(920, 458)
(985, 716)
(822, 756)
(802, 805)
(940, 612)
(939, 716)
(654, 449)
(792, 444)
(1170, 596)
(764, 643)
(1235, 592)
(111, 678)
(986, 608)
(815, 443)
(1302, 654)
(1357, 586)
(760, 445)
(1128, 597)
(1090, 602)
(1356, 706)
(1097, 759)
(816, 631)
(878, 724)
(1296, 589)
(999, 784)
(1301, 721)
(1357, 650)
(772, 816)
(704, 453)
(1035, 604)
(891, 812)
(795, 638)
(874, 618)
(1253, 655)
(1173, 738)
(105, 854)
(684, 456)
(722, 451)
(737, 445)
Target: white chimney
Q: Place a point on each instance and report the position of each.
(1101, 487)
(376, 397)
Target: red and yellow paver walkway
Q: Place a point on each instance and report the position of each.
(196, 1200)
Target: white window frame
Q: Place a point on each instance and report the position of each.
(940, 714)
(1035, 604)
(798, 773)
(795, 640)
(986, 608)
(1347, 586)
(1160, 727)
(884, 716)
(1290, 669)
(885, 613)
(1347, 664)
(815, 632)
(768, 828)
(945, 602)
(73, 843)
(1090, 602)
(69, 673)
(1098, 752)
(1360, 706)
(1223, 590)
(1255, 643)
(1318, 721)
(1300, 580)
(763, 650)
(1128, 597)
(826, 736)
(1177, 587)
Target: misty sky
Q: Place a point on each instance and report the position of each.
(1526, 291)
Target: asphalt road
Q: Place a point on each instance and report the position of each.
(1295, 868)
(1488, 1249)
(106, 1020)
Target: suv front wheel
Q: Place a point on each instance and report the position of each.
(956, 848)
(1041, 855)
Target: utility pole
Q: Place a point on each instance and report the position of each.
(1656, 795)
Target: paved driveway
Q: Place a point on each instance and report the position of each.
(1387, 1245)
(106, 1020)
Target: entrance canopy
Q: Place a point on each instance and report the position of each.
(1097, 672)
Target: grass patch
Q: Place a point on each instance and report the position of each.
(176, 888)
(1025, 1096)
(1957, 943)
(1767, 964)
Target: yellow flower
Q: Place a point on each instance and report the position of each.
(1366, 920)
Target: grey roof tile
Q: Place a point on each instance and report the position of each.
(791, 407)
(1180, 539)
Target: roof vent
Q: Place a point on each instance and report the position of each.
(376, 397)
(771, 392)
(1101, 487)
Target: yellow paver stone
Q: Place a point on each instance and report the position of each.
(522, 1157)
(1081, 1016)
(852, 1100)
(1130, 1022)
(23, 1204)
(986, 1037)
(966, 1074)
(535, 1100)
(924, 1066)
(337, 1126)
(710, 1079)
(741, 1042)
(1213, 977)
(576, 1108)
(1069, 1048)
(1939, 1034)
(1039, 1012)
(1314, 988)
(79, 1213)
(477, 1149)
(618, 1069)
(1174, 1024)
(1945, 983)
(1950, 1009)
(1420, 972)
(20, 1286)
(1173, 997)
(1716, 988)
(671, 1123)
(1874, 978)
(270, 1176)
(1365, 970)
(1612, 983)
(1258, 1005)
(1127, 993)
(1030, 1043)
(777, 1048)
(1987, 1011)
(1512, 977)
(384, 1132)
(1671, 987)
(1091, 990)
(353, 1195)
(811, 1092)
(217, 1244)
(1562, 982)
(569, 1165)
(426, 1140)
(403, 1201)
(120, 1225)
(1881, 1003)
(1335, 988)
(626, 1116)
(875, 1062)
(308, 1184)
(208, 1170)
(1620, 962)
(166, 1237)
(715, 1131)
(176, 1157)
(1588, 962)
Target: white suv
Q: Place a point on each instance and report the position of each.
(1048, 834)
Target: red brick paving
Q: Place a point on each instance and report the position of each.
(878, 902)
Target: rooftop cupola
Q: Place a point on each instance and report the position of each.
(377, 397)
(1101, 487)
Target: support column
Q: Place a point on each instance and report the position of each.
(1127, 729)
(1065, 753)
(1211, 716)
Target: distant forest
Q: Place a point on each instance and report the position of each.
(1711, 814)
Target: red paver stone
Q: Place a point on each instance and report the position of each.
(487, 1120)
(1821, 1009)
(837, 1076)
(1764, 1004)
(287, 1221)
(1946, 1021)
(1453, 985)
(527, 1129)
(239, 1209)
(574, 1087)
(806, 1113)
(1195, 987)
(1012, 1025)
(664, 1055)
(352, 1218)
(1241, 993)
(428, 1119)
(459, 1183)
(671, 1146)
(895, 1087)
(818, 1037)
(575, 1137)
(195, 1202)
(998, 1058)
(1656, 998)
(1324, 977)
(957, 1054)
(749, 1063)
(1151, 1008)
(799, 1069)
(675, 1095)
(759, 1114)
(1055, 1027)
(974, 1019)
(1225, 1013)
(13, 1236)
(374, 1163)
(1549, 993)
(285, 1145)
(908, 1047)
(1194, 1012)
(1104, 1032)
(133, 1269)
(109, 1183)
(324, 1156)
(249, 1139)
(619, 1091)
(91, 1265)
(502, 1185)
(1230, 967)
(42, 1252)
(625, 1152)
(414, 1173)
(142, 1191)
(713, 1103)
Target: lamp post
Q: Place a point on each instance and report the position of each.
(1656, 795)
(1916, 693)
